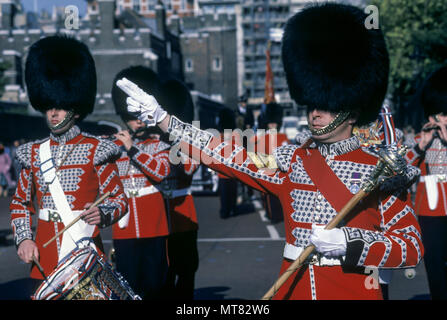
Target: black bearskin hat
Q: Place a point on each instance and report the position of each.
(60, 73)
(177, 100)
(226, 120)
(434, 93)
(143, 77)
(273, 113)
(333, 62)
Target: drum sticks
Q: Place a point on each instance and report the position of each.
(101, 199)
(39, 266)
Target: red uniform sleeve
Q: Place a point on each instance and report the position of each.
(115, 206)
(414, 155)
(224, 156)
(398, 242)
(155, 166)
(21, 208)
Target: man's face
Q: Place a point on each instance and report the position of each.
(56, 116)
(135, 125)
(318, 119)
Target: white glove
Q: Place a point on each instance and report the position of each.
(330, 243)
(142, 105)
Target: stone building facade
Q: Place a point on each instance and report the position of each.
(113, 49)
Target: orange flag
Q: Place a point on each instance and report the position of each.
(269, 93)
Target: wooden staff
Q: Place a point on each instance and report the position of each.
(100, 199)
(309, 249)
(369, 185)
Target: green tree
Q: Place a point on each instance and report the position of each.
(416, 36)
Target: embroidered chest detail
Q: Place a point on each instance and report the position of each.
(69, 177)
(298, 174)
(350, 173)
(283, 156)
(311, 207)
(301, 236)
(436, 158)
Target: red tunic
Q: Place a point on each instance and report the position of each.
(432, 163)
(381, 232)
(87, 171)
(143, 167)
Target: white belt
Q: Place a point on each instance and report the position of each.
(53, 215)
(292, 252)
(431, 187)
(130, 193)
(123, 222)
(437, 177)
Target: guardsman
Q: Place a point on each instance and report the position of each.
(428, 152)
(315, 181)
(140, 237)
(64, 173)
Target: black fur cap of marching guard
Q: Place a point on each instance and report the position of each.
(333, 62)
(274, 113)
(142, 76)
(177, 100)
(60, 73)
(434, 93)
(227, 120)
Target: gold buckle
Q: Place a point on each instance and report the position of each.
(54, 216)
(133, 193)
(314, 259)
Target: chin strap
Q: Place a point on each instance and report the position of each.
(336, 122)
(68, 117)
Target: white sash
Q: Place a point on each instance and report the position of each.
(78, 235)
(431, 187)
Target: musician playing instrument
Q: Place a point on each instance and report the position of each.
(429, 153)
(182, 240)
(64, 173)
(140, 237)
(314, 182)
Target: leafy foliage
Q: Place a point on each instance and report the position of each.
(416, 36)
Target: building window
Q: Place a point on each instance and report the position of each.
(189, 65)
(151, 5)
(136, 6)
(183, 5)
(217, 63)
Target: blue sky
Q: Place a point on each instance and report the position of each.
(48, 4)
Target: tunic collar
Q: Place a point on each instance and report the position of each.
(338, 148)
(72, 133)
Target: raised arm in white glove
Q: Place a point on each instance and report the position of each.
(330, 243)
(141, 104)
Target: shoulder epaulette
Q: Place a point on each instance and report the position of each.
(23, 152)
(105, 151)
(263, 161)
